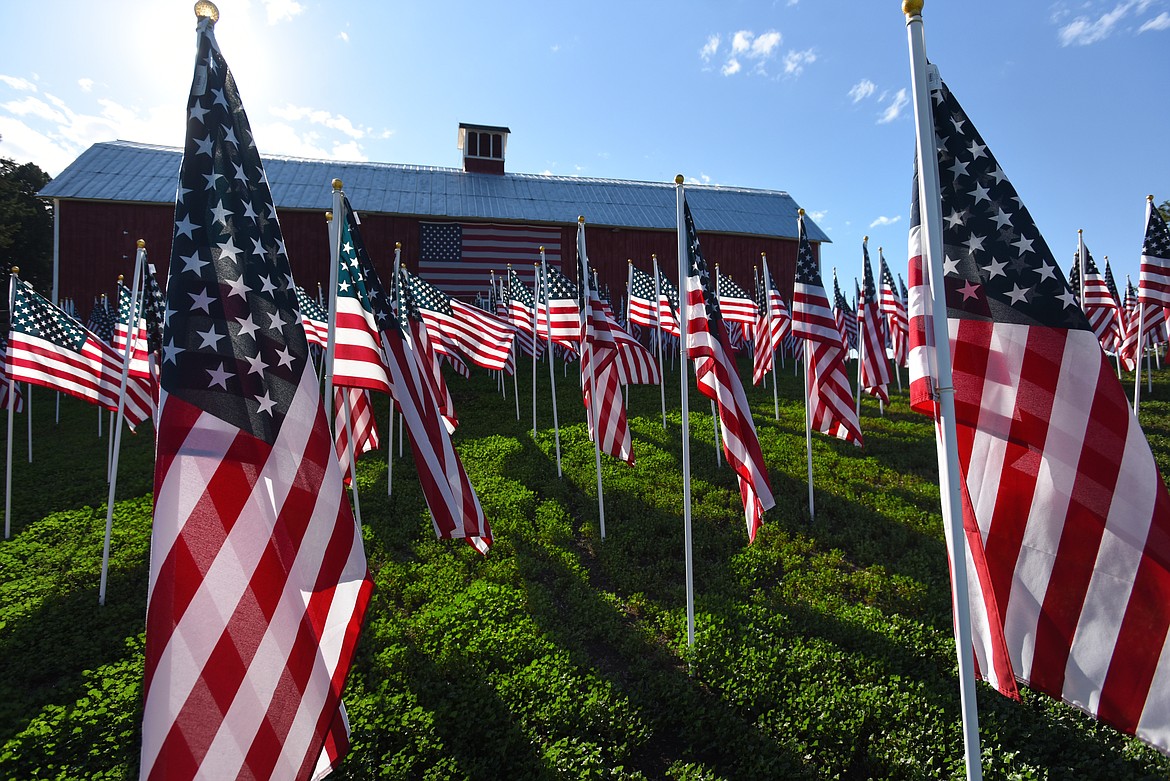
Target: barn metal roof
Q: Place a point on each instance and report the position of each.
(145, 173)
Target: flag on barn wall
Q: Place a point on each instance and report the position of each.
(718, 380)
(258, 579)
(829, 399)
(49, 348)
(457, 257)
(1067, 519)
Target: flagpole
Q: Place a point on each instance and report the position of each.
(515, 342)
(333, 219)
(812, 514)
(12, 279)
(353, 484)
(132, 325)
(28, 416)
(535, 340)
(594, 408)
(860, 339)
(658, 339)
(714, 411)
(680, 199)
(768, 309)
(396, 303)
(929, 195)
(552, 375)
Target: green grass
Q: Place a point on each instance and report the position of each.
(823, 650)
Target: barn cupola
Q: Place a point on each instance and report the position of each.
(483, 148)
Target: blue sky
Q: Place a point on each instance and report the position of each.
(807, 96)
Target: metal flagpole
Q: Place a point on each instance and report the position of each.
(680, 199)
(594, 407)
(948, 451)
(353, 485)
(12, 279)
(886, 320)
(333, 218)
(28, 416)
(396, 304)
(139, 259)
(768, 305)
(714, 411)
(658, 340)
(535, 340)
(860, 342)
(552, 375)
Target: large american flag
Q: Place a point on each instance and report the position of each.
(1066, 518)
(48, 347)
(1154, 280)
(457, 257)
(734, 302)
(894, 308)
(558, 315)
(875, 368)
(717, 379)
(472, 333)
(258, 579)
(830, 401)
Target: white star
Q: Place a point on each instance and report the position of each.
(280, 247)
(185, 226)
(286, 357)
(974, 243)
(249, 212)
(256, 364)
(238, 287)
(171, 351)
(210, 338)
(197, 111)
(219, 376)
(220, 213)
(266, 404)
(995, 268)
(1018, 295)
(266, 285)
(955, 218)
(201, 300)
(240, 175)
(980, 193)
(247, 327)
(997, 174)
(1046, 271)
(218, 93)
(229, 136)
(205, 146)
(1023, 245)
(1001, 217)
(343, 287)
(950, 265)
(276, 323)
(958, 168)
(977, 150)
(257, 248)
(229, 250)
(1068, 298)
(192, 263)
(211, 177)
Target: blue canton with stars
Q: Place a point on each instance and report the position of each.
(996, 264)
(233, 344)
(517, 290)
(697, 267)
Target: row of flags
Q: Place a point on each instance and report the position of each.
(258, 580)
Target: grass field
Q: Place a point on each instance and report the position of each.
(823, 650)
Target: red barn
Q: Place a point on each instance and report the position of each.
(454, 224)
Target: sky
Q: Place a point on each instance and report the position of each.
(811, 97)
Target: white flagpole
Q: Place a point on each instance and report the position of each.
(768, 304)
(890, 326)
(658, 340)
(714, 411)
(930, 200)
(12, 278)
(353, 485)
(535, 341)
(333, 218)
(860, 341)
(28, 416)
(1138, 351)
(680, 199)
(390, 427)
(552, 375)
(812, 513)
(132, 327)
(594, 407)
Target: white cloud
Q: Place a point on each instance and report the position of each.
(817, 216)
(765, 44)
(794, 61)
(1084, 30)
(710, 47)
(894, 110)
(862, 90)
(85, 84)
(1159, 22)
(703, 179)
(730, 67)
(343, 36)
(282, 10)
(17, 83)
(883, 221)
(741, 42)
(337, 122)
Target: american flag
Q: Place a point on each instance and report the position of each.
(457, 257)
(643, 309)
(734, 302)
(1154, 319)
(521, 313)
(361, 423)
(1154, 280)
(667, 304)
(314, 318)
(139, 354)
(875, 369)
(472, 333)
(101, 320)
(893, 307)
(773, 325)
(1074, 276)
(1099, 306)
(17, 397)
(830, 401)
(557, 312)
(48, 347)
(845, 317)
(258, 581)
(1067, 520)
(359, 360)
(455, 508)
(717, 379)
(605, 408)
(153, 309)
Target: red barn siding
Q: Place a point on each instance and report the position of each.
(97, 243)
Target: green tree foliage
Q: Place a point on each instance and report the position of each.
(1164, 207)
(26, 224)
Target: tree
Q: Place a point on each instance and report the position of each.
(26, 225)
(1164, 207)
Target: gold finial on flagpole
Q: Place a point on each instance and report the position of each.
(1150, 198)
(912, 7)
(329, 216)
(580, 218)
(205, 9)
(678, 179)
(1080, 231)
(800, 212)
(120, 278)
(865, 239)
(336, 184)
(16, 271)
(142, 244)
(542, 248)
(398, 245)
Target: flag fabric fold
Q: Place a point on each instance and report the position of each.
(258, 580)
(892, 305)
(1066, 516)
(875, 368)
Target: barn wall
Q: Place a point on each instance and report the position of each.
(98, 243)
